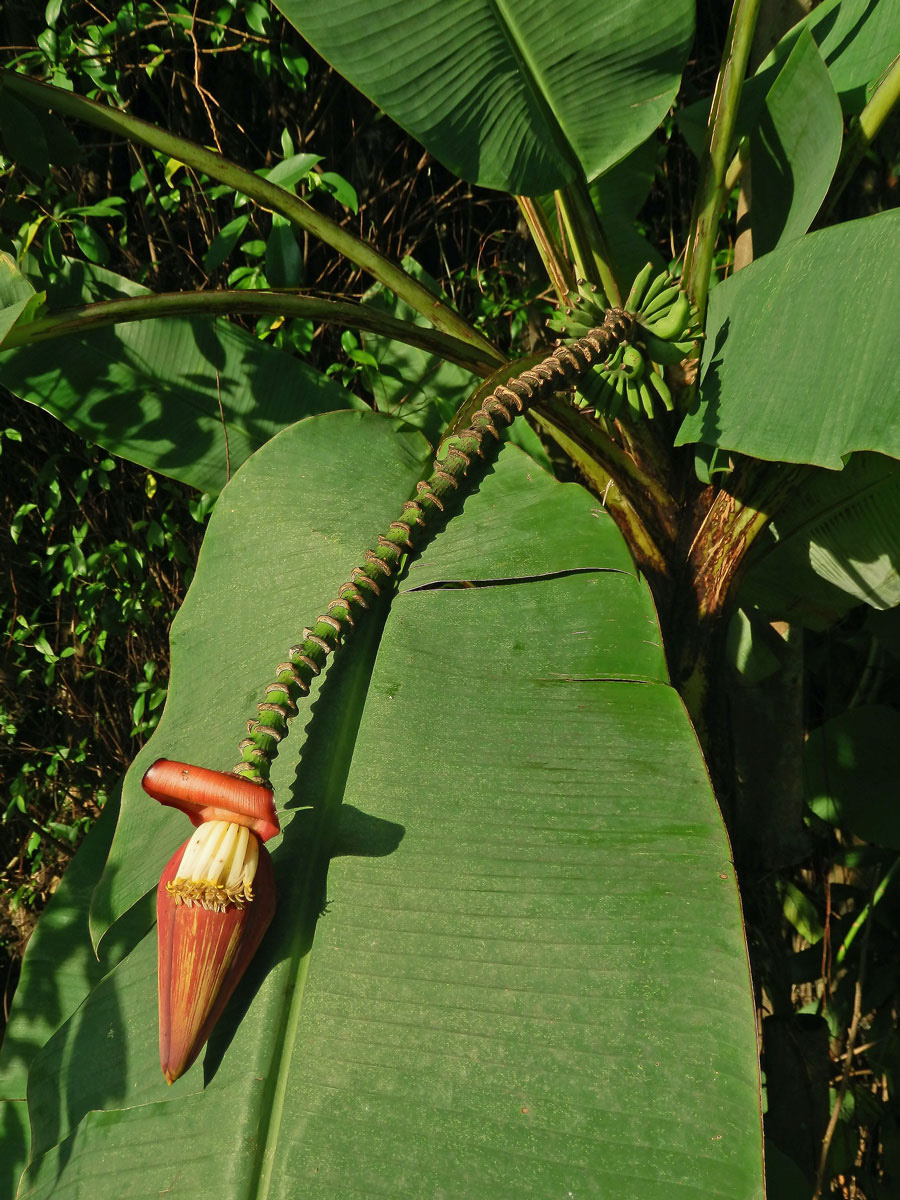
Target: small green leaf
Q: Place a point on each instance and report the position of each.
(253, 248)
(338, 186)
(284, 262)
(224, 242)
(801, 912)
(292, 169)
(90, 243)
(257, 18)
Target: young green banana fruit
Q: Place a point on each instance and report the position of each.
(674, 322)
(633, 303)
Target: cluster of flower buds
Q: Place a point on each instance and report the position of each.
(215, 901)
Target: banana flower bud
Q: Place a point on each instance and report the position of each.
(214, 902)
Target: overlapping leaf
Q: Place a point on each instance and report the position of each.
(836, 546)
(525, 971)
(858, 40)
(519, 97)
(188, 397)
(794, 148)
(800, 360)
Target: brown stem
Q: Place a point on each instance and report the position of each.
(713, 562)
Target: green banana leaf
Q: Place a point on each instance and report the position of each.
(520, 97)
(151, 391)
(59, 969)
(836, 545)
(794, 148)
(800, 361)
(508, 957)
(858, 40)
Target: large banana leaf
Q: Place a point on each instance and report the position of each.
(188, 397)
(520, 97)
(837, 545)
(800, 361)
(508, 957)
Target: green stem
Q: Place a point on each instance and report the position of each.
(609, 472)
(558, 266)
(589, 249)
(643, 489)
(865, 912)
(454, 474)
(863, 132)
(736, 166)
(714, 160)
(266, 194)
(84, 317)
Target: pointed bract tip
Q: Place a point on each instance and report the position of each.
(204, 949)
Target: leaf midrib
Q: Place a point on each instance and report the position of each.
(535, 80)
(284, 1030)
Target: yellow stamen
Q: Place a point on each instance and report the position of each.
(217, 867)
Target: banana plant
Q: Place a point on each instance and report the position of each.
(477, 714)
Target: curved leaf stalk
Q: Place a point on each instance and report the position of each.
(452, 467)
(589, 249)
(558, 267)
(714, 160)
(223, 302)
(266, 194)
(586, 444)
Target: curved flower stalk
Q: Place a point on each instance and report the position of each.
(215, 900)
(216, 896)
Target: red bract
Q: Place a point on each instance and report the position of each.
(214, 902)
(204, 795)
(202, 955)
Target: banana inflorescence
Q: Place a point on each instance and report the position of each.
(668, 332)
